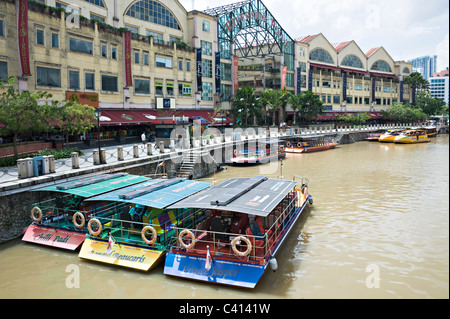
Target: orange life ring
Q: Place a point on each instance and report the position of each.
(288, 144)
(154, 235)
(181, 241)
(299, 144)
(99, 230)
(38, 211)
(240, 253)
(74, 220)
(235, 152)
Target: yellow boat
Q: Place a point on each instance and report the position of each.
(390, 135)
(412, 137)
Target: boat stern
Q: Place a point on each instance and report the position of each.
(55, 237)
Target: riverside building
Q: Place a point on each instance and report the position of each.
(146, 58)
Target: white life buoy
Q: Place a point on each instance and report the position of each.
(154, 235)
(181, 241)
(38, 211)
(99, 230)
(75, 222)
(236, 251)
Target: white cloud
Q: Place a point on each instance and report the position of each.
(442, 51)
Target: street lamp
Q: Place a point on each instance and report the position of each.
(98, 113)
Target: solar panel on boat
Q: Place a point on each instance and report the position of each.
(238, 190)
(93, 180)
(151, 188)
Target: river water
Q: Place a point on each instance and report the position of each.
(379, 228)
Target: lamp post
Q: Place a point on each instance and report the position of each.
(98, 113)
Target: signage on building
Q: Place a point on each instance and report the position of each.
(22, 31)
(217, 72)
(127, 58)
(235, 74)
(199, 71)
(82, 98)
(165, 104)
(283, 78)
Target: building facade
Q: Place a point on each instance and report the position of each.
(439, 85)
(154, 55)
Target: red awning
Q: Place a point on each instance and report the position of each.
(383, 75)
(130, 117)
(355, 71)
(323, 66)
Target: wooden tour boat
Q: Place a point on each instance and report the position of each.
(138, 235)
(240, 225)
(62, 220)
(309, 144)
(413, 137)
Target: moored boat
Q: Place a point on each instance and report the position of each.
(241, 225)
(257, 152)
(413, 137)
(390, 135)
(138, 236)
(309, 144)
(431, 131)
(373, 137)
(61, 221)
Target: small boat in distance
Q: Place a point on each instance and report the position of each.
(431, 131)
(413, 137)
(309, 144)
(241, 224)
(257, 152)
(390, 135)
(373, 137)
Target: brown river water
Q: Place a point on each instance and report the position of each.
(379, 228)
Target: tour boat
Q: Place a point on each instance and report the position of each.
(257, 152)
(412, 137)
(240, 226)
(431, 131)
(61, 220)
(139, 234)
(309, 144)
(373, 137)
(390, 135)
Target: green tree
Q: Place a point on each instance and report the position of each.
(295, 101)
(355, 119)
(311, 106)
(22, 113)
(245, 105)
(430, 105)
(404, 114)
(272, 101)
(416, 82)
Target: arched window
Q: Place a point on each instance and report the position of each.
(97, 2)
(406, 71)
(381, 65)
(321, 56)
(154, 12)
(353, 61)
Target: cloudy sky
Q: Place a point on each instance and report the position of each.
(405, 28)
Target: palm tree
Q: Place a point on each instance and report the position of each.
(295, 101)
(246, 104)
(416, 81)
(272, 101)
(311, 105)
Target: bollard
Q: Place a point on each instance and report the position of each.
(120, 153)
(103, 156)
(29, 164)
(75, 160)
(51, 163)
(136, 151)
(96, 156)
(46, 165)
(149, 149)
(22, 168)
(161, 147)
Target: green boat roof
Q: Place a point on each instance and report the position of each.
(96, 185)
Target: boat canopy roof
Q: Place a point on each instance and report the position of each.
(156, 193)
(258, 196)
(96, 185)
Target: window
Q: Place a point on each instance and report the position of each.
(184, 89)
(170, 89)
(74, 80)
(109, 83)
(104, 50)
(159, 87)
(188, 66)
(207, 94)
(40, 36)
(336, 99)
(353, 61)
(48, 77)
(358, 87)
(96, 17)
(154, 12)
(146, 58)
(142, 86)
(96, 2)
(55, 40)
(89, 79)
(207, 68)
(206, 47)
(136, 57)
(132, 29)
(3, 70)
(69, 9)
(205, 26)
(113, 52)
(157, 37)
(78, 45)
(326, 84)
(406, 71)
(173, 40)
(381, 65)
(180, 65)
(225, 71)
(163, 62)
(2, 27)
(321, 56)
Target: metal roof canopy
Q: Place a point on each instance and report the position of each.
(254, 196)
(160, 197)
(252, 28)
(96, 185)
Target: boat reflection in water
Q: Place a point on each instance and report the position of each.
(241, 224)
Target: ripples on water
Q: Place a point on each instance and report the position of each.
(375, 205)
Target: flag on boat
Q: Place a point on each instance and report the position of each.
(161, 164)
(111, 243)
(208, 259)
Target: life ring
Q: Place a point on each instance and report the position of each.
(154, 235)
(74, 220)
(288, 144)
(235, 152)
(299, 144)
(99, 230)
(236, 251)
(38, 211)
(181, 241)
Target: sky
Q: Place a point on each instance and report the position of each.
(405, 28)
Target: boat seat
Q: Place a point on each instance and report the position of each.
(261, 228)
(173, 219)
(218, 226)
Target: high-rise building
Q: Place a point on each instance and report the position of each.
(439, 85)
(425, 65)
